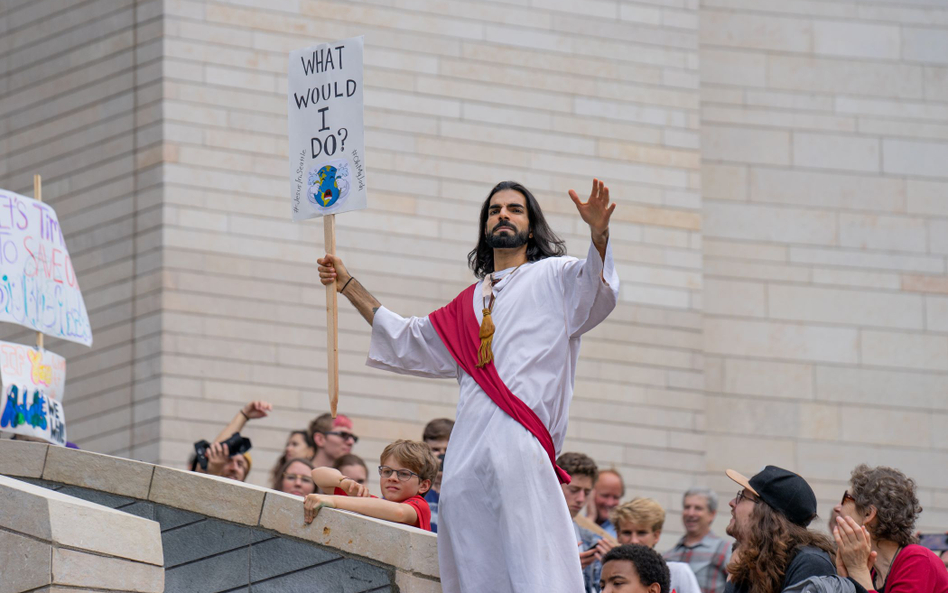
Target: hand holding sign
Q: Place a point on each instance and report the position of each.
(327, 146)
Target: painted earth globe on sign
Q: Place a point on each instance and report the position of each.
(329, 184)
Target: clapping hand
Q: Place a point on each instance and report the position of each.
(854, 555)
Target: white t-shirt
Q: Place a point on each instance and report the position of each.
(683, 579)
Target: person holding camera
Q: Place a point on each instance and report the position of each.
(228, 456)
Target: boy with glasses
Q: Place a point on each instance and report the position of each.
(407, 469)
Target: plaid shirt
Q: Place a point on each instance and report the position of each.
(707, 558)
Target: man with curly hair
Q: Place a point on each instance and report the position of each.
(774, 549)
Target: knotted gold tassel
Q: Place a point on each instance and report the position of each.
(484, 353)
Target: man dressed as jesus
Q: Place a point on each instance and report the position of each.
(512, 342)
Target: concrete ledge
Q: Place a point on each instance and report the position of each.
(411, 552)
(26, 562)
(115, 475)
(79, 569)
(49, 538)
(373, 538)
(23, 459)
(208, 495)
(409, 583)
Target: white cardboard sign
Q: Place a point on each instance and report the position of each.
(326, 129)
(38, 285)
(31, 400)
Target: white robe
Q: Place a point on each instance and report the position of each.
(503, 523)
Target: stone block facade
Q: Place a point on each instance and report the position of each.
(822, 331)
(779, 164)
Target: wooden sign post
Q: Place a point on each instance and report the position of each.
(332, 320)
(327, 154)
(38, 196)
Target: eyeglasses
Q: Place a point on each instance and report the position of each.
(846, 496)
(343, 435)
(744, 494)
(302, 478)
(403, 474)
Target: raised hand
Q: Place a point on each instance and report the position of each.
(257, 409)
(597, 210)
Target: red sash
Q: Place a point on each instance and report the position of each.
(457, 327)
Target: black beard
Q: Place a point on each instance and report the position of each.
(507, 241)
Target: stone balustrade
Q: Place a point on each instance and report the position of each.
(217, 534)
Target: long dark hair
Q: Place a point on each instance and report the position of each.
(544, 242)
(769, 545)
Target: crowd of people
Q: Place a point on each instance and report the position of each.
(873, 543)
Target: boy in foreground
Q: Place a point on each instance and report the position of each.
(640, 521)
(407, 469)
(633, 569)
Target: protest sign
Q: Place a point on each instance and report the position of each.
(327, 144)
(327, 153)
(38, 285)
(31, 400)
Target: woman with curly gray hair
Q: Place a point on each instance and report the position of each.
(875, 535)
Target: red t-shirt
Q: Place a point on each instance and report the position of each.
(422, 510)
(917, 570)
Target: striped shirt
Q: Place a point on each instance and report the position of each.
(707, 558)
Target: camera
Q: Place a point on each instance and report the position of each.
(236, 445)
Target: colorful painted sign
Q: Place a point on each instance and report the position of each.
(31, 400)
(38, 285)
(327, 141)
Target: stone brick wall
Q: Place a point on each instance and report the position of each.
(780, 166)
(459, 95)
(824, 145)
(80, 105)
